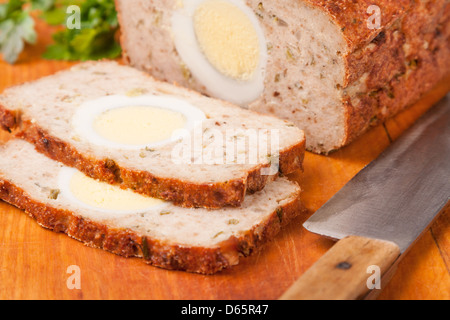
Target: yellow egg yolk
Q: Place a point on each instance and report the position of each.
(227, 38)
(104, 196)
(138, 125)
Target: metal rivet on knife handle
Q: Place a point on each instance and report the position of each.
(323, 281)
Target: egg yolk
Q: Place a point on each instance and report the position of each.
(227, 38)
(138, 125)
(102, 195)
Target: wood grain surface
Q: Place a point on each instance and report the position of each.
(34, 261)
(341, 274)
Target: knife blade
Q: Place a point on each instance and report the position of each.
(382, 211)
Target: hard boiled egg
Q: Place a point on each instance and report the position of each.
(102, 197)
(223, 45)
(135, 123)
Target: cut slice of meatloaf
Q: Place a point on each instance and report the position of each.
(334, 68)
(42, 112)
(194, 240)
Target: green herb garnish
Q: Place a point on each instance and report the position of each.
(54, 193)
(145, 249)
(94, 40)
(280, 214)
(217, 234)
(16, 28)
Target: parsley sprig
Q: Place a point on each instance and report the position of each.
(95, 40)
(16, 29)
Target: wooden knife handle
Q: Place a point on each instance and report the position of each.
(346, 271)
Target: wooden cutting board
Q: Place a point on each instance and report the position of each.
(34, 262)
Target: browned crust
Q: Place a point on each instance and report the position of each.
(125, 57)
(351, 16)
(397, 78)
(181, 193)
(128, 243)
(8, 120)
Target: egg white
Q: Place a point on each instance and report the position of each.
(219, 85)
(87, 113)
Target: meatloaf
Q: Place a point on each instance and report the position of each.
(334, 68)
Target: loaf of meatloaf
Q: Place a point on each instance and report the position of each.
(334, 68)
(193, 240)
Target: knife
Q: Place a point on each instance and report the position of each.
(381, 212)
